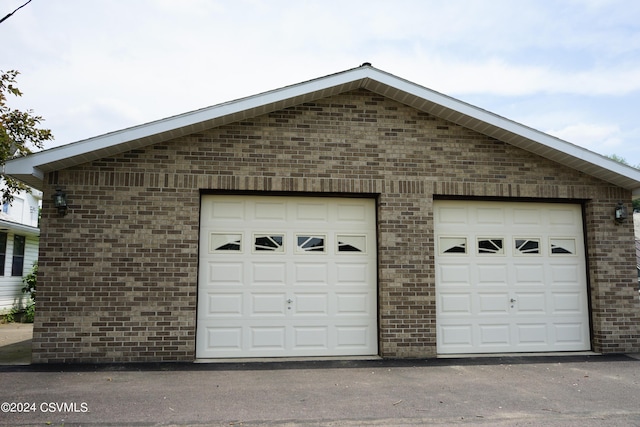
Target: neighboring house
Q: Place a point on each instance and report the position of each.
(19, 240)
(638, 257)
(357, 214)
(636, 224)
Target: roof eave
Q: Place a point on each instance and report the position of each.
(19, 228)
(31, 169)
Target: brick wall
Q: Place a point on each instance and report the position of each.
(119, 273)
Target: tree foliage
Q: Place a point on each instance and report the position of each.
(622, 160)
(20, 133)
(636, 202)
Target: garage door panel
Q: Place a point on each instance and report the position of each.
(493, 335)
(563, 217)
(286, 276)
(526, 218)
(357, 304)
(530, 303)
(492, 275)
(493, 303)
(268, 304)
(224, 339)
(352, 273)
(569, 333)
(311, 337)
(270, 212)
(225, 210)
(311, 304)
(267, 338)
(455, 303)
(455, 274)
(563, 274)
(317, 213)
(567, 302)
(224, 304)
(450, 215)
(531, 334)
(225, 273)
(348, 212)
(489, 216)
(274, 273)
(353, 336)
(520, 282)
(314, 273)
(456, 335)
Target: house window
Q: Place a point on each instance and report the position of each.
(3, 252)
(18, 255)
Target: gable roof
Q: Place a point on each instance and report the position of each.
(31, 169)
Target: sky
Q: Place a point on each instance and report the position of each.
(570, 68)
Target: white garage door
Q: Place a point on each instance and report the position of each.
(286, 276)
(510, 277)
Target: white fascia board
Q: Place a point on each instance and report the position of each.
(19, 228)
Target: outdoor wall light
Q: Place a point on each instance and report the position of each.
(60, 202)
(621, 212)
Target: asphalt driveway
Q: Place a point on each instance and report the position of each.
(502, 391)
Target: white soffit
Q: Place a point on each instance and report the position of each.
(31, 169)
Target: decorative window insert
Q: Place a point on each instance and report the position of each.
(219, 242)
(310, 242)
(493, 246)
(453, 245)
(563, 246)
(351, 244)
(268, 243)
(526, 246)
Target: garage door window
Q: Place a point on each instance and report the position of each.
(310, 243)
(526, 246)
(219, 242)
(268, 243)
(491, 246)
(563, 246)
(453, 245)
(351, 244)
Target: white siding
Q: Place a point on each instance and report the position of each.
(11, 286)
(25, 208)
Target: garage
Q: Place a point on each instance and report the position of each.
(286, 276)
(510, 277)
(357, 213)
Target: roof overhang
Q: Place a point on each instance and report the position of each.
(19, 228)
(31, 169)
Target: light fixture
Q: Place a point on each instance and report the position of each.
(621, 212)
(60, 202)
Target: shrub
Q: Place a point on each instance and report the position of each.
(30, 282)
